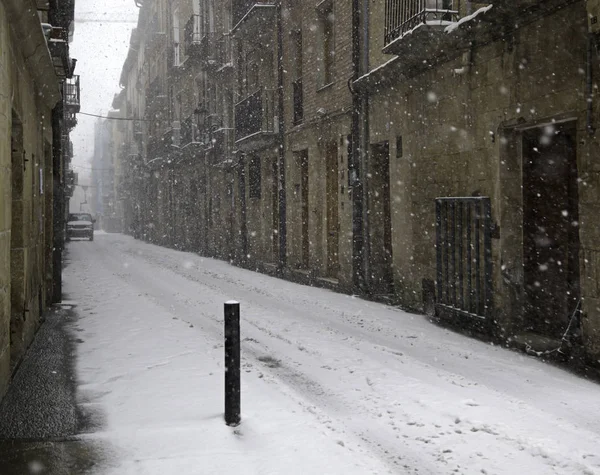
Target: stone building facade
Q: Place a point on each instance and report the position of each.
(435, 154)
(498, 110)
(39, 97)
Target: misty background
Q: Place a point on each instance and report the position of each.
(100, 44)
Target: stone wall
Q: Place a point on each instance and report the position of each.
(5, 201)
(462, 124)
(25, 202)
(324, 130)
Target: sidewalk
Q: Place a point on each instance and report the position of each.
(331, 384)
(39, 417)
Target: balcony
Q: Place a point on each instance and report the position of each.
(58, 45)
(251, 13)
(71, 94)
(221, 144)
(71, 101)
(256, 119)
(157, 35)
(174, 58)
(225, 52)
(193, 34)
(193, 141)
(155, 94)
(199, 42)
(138, 129)
(164, 147)
(421, 22)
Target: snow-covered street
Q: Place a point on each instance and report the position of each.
(330, 383)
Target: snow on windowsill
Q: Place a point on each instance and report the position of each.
(450, 28)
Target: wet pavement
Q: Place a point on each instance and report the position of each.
(39, 416)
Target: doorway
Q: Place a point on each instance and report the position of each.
(331, 162)
(380, 220)
(550, 229)
(302, 160)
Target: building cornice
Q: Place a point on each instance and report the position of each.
(26, 26)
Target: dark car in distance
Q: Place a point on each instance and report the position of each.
(80, 225)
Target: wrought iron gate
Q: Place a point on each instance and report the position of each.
(464, 257)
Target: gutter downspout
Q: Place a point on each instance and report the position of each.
(354, 160)
(590, 85)
(281, 158)
(364, 144)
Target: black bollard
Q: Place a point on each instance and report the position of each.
(232, 363)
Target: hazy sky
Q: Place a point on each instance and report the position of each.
(100, 44)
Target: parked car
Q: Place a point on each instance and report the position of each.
(80, 225)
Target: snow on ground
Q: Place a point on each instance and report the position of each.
(330, 383)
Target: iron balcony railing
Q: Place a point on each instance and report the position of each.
(225, 51)
(155, 147)
(171, 138)
(71, 94)
(58, 45)
(255, 114)
(193, 33)
(138, 129)
(155, 94)
(174, 56)
(187, 131)
(402, 16)
(191, 133)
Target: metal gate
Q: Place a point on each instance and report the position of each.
(464, 257)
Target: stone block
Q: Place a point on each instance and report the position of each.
(589, 231)
(591, 327)
(5, 199)
(4, 259)
(4, 369)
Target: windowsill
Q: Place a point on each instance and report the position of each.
(326, 86)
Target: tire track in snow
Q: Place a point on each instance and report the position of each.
(370, 350)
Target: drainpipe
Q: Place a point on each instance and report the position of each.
(364, 143)
(590, 85)
(281, 158)
(354, 160)
(243, 222)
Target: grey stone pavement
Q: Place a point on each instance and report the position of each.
(39, 416)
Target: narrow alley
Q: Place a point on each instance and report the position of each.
(330, 383)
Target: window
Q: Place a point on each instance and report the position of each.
(176, 39)
(254, 177)
(327, 53)
(399, 146)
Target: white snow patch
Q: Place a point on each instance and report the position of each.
(455, 25)
(330, 383)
